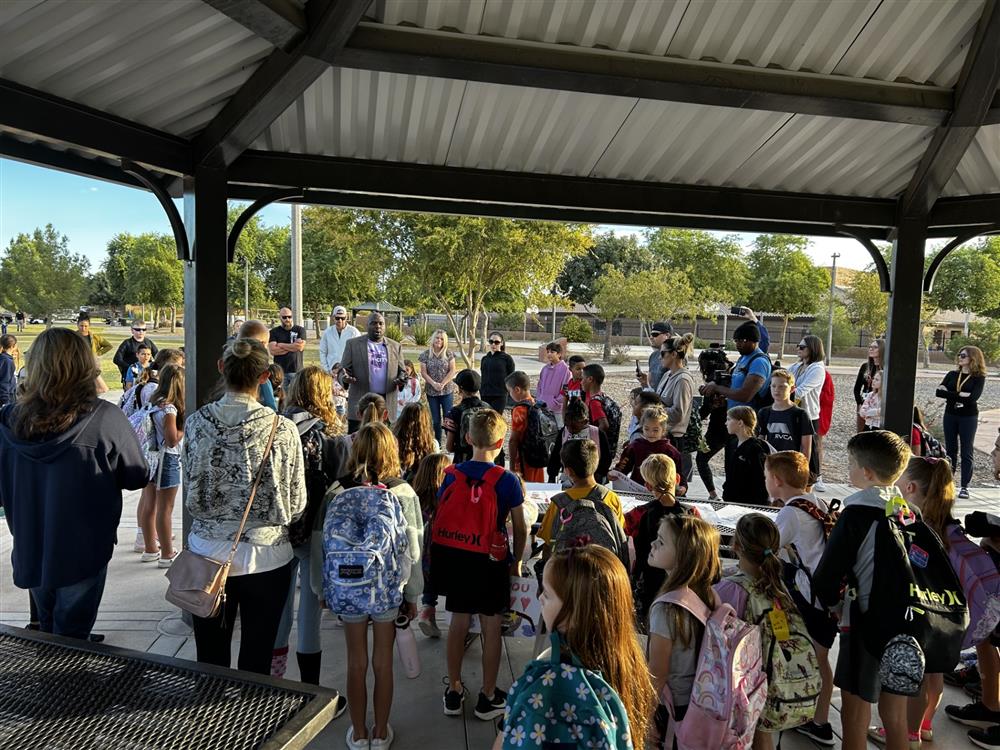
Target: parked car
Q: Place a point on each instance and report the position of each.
(36, 321)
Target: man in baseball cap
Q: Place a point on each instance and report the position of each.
(335, 338)
(658, 333)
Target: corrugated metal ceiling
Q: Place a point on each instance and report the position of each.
(170, 65)
(979, 171)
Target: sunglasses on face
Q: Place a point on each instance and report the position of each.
(963, 354)
(143, 330)
(286, 317)
(336, 318)
(492, 341)
(803, 346)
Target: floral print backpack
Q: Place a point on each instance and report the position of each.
(558, 704)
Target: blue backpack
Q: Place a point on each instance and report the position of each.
(564, 705)
(365, 561)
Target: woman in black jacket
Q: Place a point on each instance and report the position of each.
(863, 383)
(961, 389)
(494, 368)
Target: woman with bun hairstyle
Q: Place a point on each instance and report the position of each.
(224, 447)
(676, 389)
(961, 389)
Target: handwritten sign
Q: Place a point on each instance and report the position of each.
(525, 610)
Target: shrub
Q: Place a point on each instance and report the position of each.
(620, 354)
(507, 321)
(984, 335)
(577, 330)
(421, 333)
(393, 331)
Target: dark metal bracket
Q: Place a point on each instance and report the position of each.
(274, 196)
(150, 181)
(884, 280)
(945, 251)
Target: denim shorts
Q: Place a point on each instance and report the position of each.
(168, 472)
(388, 616)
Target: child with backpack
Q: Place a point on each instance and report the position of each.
(876, 459)
(530, 425)
(415, 436)
(166, 407)
(804, 523)
(654, 441)
(605, 414)
(144, 355)
(553, 376)
(928, 484)
(426, 483)
(577, 427)
(586, 508)
(922, 441)
(574, 386)
(607, 699)
(369, 542)
(687, 624)
(456, 421)
(758, 595)
(745, 456)
(642, 524)
(471, 561)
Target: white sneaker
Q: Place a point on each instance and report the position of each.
(165, 562)
(140, 544)
(384, 744)
(819, 486)
(353, 744)
(149, 557)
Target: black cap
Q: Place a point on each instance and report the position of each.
(662, 327)
(468, 381)
(747, 331)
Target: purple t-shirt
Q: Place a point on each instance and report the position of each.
(378, 366)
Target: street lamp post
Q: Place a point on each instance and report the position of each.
(829, 328)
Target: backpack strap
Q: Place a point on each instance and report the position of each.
(597, 494)
(686, 599)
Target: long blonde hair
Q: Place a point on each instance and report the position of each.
(444, 343)
(60, 384)
(312, 390)
(696, 544)
(598, 619)
(374, 454)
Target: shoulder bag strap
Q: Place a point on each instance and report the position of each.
(253, 489)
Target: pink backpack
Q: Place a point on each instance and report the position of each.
(730, 686)
(980, 584)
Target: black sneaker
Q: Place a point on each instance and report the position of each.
(820, 733)
(987, 738)
(973, 715)
(962, 677)
(453, 701)
(491, 708)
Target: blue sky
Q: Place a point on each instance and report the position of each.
(89, 212)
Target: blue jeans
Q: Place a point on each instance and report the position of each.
(960, 429)
(440, 406)
(70, 610)
(310, 613)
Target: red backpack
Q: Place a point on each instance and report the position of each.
(826, 405)
(466, 516)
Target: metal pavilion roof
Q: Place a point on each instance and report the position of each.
(838, 99)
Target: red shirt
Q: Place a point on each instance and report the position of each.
(518, 426)
(573, 389)
(639, 450)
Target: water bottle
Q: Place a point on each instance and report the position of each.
(406, 647)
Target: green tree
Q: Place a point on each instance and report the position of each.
(969, 279)
(844, 331)
(867, 304)
(115, 266)
(257, 253)
(463, 264)
(646, 295)
(40, 275)
(783, 279)
(985, 335)
(99, 294)
(579, 277)
(154, 275)
(715, 266)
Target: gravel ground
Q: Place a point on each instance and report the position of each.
(844, 410)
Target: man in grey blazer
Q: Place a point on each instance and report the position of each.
(371, 364)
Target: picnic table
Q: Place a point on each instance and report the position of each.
(65, 693)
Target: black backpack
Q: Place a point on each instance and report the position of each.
(318, 477)
(930, 446)
(614, 414)
(914, 591)
(590, 517)
(463, 451)
(759, 400)
(540, 435)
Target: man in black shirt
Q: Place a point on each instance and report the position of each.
(286, 343)
(126, 356)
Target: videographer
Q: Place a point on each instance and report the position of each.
(658, 333)
(713, 364)
(750, 375)
(748, 314)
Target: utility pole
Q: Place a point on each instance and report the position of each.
(296, 301)
(829, 328)
(246, 288)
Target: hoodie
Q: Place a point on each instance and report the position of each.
(224, 443)
(62, 495)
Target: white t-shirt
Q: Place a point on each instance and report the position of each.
(806, 533)
(158, 417)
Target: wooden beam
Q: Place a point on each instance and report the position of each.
(280, 22)
(278, 82)
(974, 95)
(444, 54)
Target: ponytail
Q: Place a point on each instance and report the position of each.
(936, 483)
(759, 541)
(371, 408)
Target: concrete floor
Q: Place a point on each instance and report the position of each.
(134, 615)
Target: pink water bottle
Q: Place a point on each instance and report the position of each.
(406, 647)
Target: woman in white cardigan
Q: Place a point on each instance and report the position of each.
(810, 374)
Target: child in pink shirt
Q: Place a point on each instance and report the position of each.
(551, 380)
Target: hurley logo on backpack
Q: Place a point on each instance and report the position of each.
(365, 560)
(614, 414)
(467, 512)
(540, 434)
(729, 689)
(915, 598)
(590, 517)
(145, 432)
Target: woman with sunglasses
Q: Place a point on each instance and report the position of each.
(863, 383)
(810, 374)
(961, 389)
(494, 368)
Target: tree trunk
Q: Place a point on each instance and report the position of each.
(924, 345)
(454, 329)
(486, 325)
(784, 332)
(607, 340)
(173, 318)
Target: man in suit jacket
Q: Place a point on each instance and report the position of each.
(371, 364)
